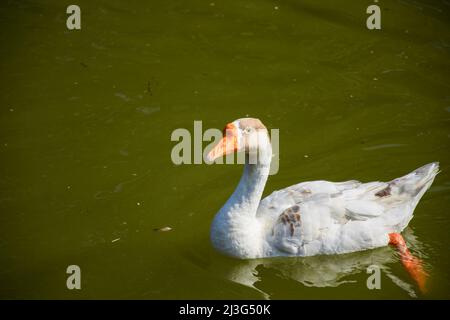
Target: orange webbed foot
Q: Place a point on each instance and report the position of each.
(412, 264)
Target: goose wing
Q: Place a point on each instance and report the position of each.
(333, 222)
(323, 217)
(305, 218)
(274, 204)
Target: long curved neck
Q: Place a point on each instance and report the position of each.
(245, 199)
(235, 229)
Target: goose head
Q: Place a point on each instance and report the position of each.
(246, 134)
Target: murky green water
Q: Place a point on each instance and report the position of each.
(86, 118)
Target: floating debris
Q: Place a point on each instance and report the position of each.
(122, 96)
(149, 88)
(163, 229)
(115, 240)
(148, 110)
(384, 146)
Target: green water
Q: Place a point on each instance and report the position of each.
(86, 118)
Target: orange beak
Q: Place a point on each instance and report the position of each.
(227, 145)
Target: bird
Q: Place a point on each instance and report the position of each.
(311, 218)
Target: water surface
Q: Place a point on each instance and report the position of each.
(86, 118)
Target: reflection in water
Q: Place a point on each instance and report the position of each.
(325, 271)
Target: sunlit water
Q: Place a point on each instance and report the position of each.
(86, 118)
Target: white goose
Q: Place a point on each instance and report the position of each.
(311, 218)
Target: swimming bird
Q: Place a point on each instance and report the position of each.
(311, 218)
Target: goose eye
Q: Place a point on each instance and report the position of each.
(248, 130)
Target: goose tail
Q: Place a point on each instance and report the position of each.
(416, 183)
(405, 193)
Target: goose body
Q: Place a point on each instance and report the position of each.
(309, 218)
